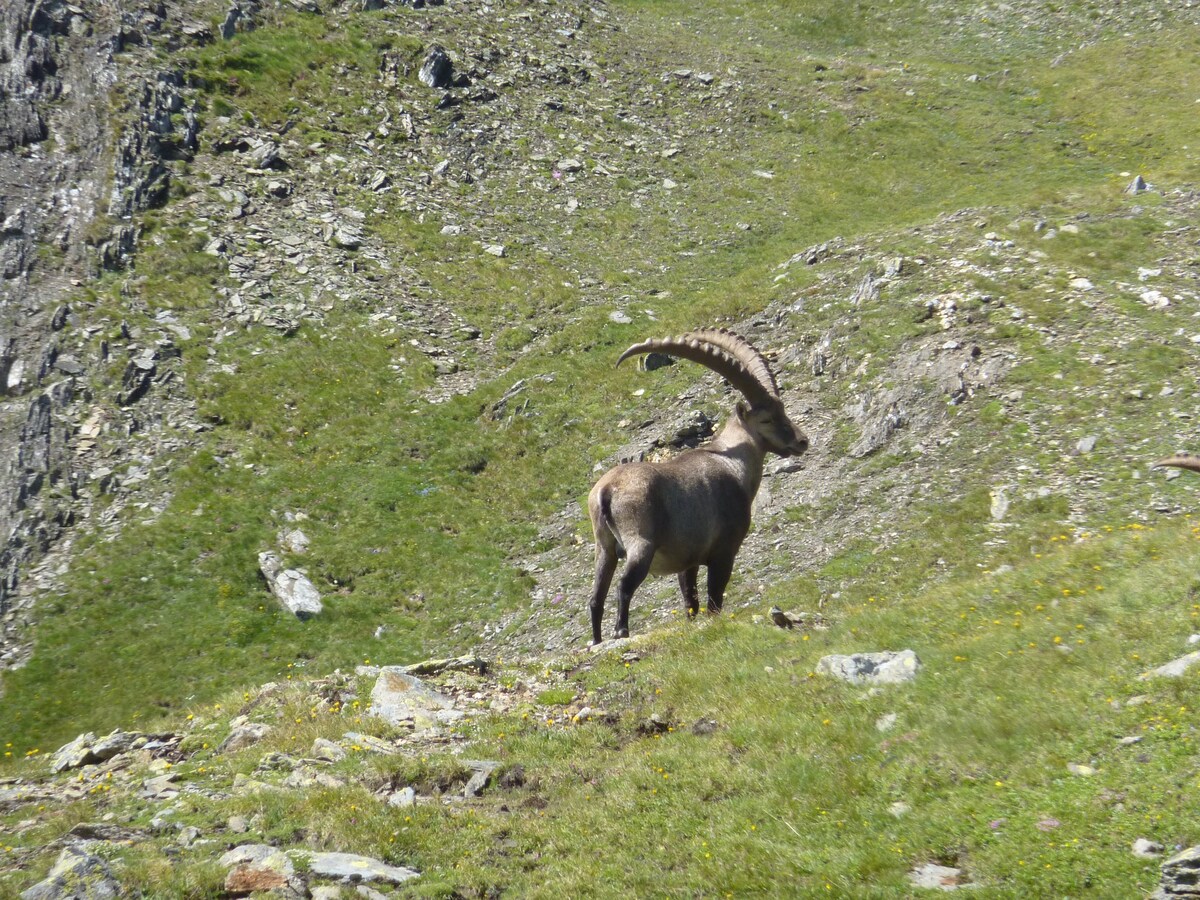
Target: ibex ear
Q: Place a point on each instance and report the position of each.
(743, 409)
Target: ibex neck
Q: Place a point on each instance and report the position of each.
(745, 452)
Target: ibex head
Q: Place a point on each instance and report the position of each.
(736, 360)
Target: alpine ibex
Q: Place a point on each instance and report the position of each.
(675, 516)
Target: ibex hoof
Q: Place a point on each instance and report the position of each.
(621, 633)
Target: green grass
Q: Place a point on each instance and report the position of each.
(1024, 673)
(403, 495)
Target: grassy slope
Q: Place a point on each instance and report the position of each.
(802, 777)
(395, 511)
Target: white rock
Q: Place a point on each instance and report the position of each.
(294, 541)
(350, 868)
(1175, 668)
(935, 877)
(1147, 849)
(291, 588)
(887, 667)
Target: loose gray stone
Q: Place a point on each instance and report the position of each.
(1000, 504)
(161, 787)
(265, 155)
(348, 237)
(1137, 186)
(1147, 849)
(251, 853)
(482, 770)
(75, 754)
(437, 71)
(403, 799)
(118, 742)
(294, 592)
(244, 735)
(350, 868)
(469, 663)
(237, 825)
(325, 749)
(294, 541)
(1086, 444)
(398, 696)
(260, 867)
(887, 667)
(77, 875)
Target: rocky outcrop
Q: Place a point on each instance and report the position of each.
(77, 873)
(67, 199)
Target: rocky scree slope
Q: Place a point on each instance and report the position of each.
(476, 147)
(980, 314)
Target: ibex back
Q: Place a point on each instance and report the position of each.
(694, 510)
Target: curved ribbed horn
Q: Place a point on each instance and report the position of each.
(1182, 461)
(729, 355)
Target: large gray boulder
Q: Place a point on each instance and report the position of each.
(398, 697)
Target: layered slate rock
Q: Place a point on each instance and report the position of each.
(87, 749)
(1180, 876)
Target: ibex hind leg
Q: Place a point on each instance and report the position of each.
(687, 587)
(637, 567)
(606, 564)
(719, 571)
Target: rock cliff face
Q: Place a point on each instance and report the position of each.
(69, 185)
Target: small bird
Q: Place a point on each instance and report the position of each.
(780, 618)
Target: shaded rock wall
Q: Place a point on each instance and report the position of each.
(70, 183)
